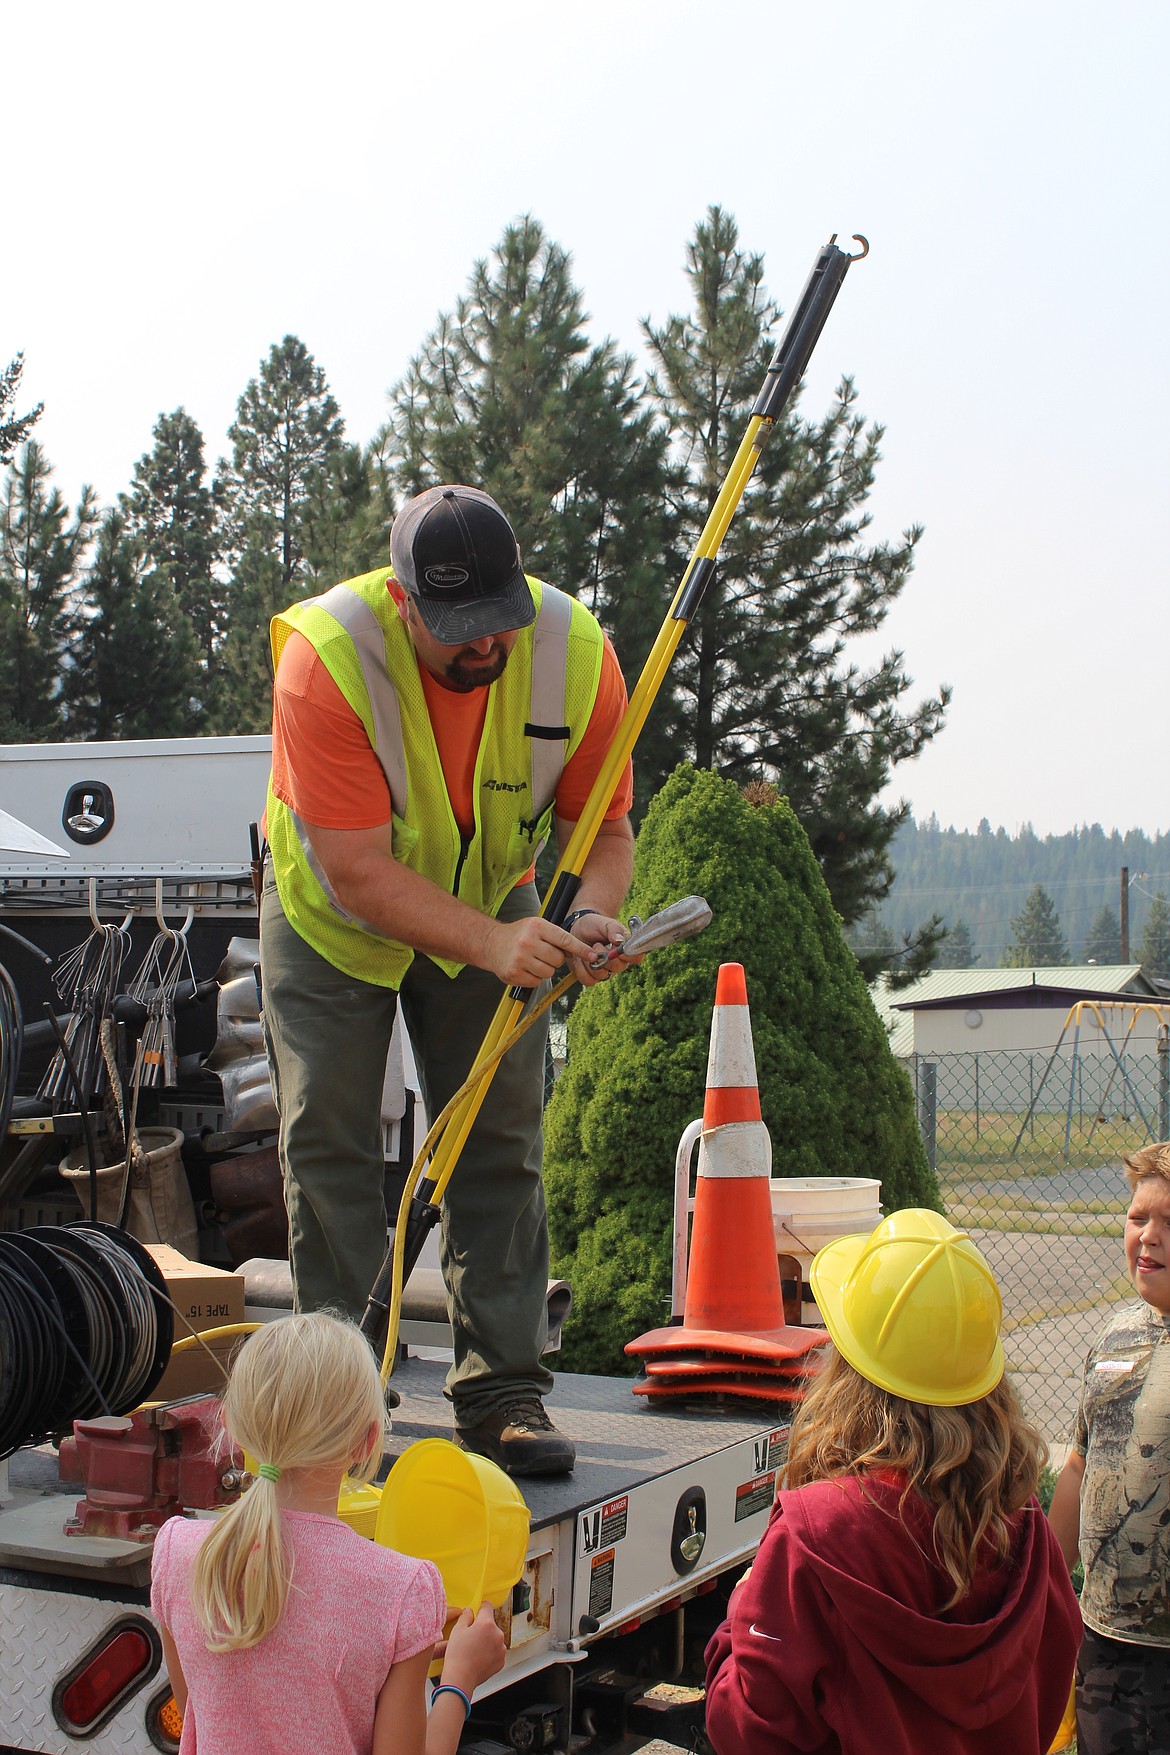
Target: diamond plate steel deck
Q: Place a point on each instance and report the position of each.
(620, 1441)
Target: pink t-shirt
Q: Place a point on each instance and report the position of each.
(311, 1686)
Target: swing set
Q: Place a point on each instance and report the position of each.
(1097, 1009)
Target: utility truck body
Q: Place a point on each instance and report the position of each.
(629, 1564)
(631, 1557)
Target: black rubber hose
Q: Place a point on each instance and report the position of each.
(11, 1047)
(82, 1109)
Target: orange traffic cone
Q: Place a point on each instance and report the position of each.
(730, 1383)
(734, 1309)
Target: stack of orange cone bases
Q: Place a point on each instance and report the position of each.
(733, 1339)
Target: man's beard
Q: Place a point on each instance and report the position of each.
(464, 677)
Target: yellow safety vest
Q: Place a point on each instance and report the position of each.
(537, 713)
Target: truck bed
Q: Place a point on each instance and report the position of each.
(622, 1443)
(664, 1506)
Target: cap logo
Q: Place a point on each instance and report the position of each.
(444, 577)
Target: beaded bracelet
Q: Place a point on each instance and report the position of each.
(450, 1688)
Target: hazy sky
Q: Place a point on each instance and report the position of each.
(187, 185)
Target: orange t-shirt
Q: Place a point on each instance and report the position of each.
(325, 769)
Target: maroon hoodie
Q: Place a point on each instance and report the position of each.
(836, 1644)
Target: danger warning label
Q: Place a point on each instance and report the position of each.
(601, 1584)
(770, 1451)
(755, 1495)
(604, 1524)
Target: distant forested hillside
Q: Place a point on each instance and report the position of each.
(982, 878)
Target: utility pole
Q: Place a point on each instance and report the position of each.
(1125, 914)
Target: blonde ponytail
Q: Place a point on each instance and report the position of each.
(304, 1393)
(241, 1577)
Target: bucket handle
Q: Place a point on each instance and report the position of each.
(692, 1133)
(783, 1225)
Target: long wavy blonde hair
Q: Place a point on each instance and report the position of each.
(304, 1393)
(974, 1465)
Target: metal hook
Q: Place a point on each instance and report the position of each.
(102, 925)
(179, 931)
(854, 255)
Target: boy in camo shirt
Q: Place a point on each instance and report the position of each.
(1112, 1501)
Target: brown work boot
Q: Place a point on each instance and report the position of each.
(521, 1438)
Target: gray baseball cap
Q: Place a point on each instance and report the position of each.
(457, 555)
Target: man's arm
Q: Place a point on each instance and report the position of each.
(369, 882)
(605, 878)
(1064, 1514)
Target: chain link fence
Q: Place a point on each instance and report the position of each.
(1027, 1148)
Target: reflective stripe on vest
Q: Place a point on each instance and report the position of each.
(550, 655)
(354, 614)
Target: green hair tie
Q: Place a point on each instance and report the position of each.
(268, 1472)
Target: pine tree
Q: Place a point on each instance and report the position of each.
(508, 395)
(14, 428)
(834, 1099)
(957, 950)
(287, 430)
(871, 937)
(1037, 940)
(899, 961)
(170, 510)
(42, 551)
(1154, 951)
(134, 669)
(762, 679)
(347, 521)
(1103, 944)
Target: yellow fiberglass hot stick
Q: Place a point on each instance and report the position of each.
(785, 370)
(687, 599)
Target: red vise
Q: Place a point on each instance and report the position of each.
(139, 1469)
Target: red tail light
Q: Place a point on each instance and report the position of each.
(126, 1655)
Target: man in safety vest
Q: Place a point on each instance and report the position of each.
(434, 722)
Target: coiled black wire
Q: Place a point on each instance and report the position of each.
(86, 1327)
(138, 1311)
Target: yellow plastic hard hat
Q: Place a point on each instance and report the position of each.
(458, 1509)
(914, 1308)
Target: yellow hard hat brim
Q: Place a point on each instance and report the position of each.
(828, 1274)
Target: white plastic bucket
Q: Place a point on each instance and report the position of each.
(810, 1211)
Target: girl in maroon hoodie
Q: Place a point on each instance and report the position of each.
(908, 1596)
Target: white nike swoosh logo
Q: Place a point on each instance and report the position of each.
(760, 1634)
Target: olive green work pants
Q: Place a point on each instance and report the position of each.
(327, 1036)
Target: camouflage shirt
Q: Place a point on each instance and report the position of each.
(1123, 1432)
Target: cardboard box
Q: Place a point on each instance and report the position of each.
(206, 1298)
(195, 1373)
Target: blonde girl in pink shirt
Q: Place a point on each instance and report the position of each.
(284, 1631)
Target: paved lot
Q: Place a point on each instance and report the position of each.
(1104, 1184)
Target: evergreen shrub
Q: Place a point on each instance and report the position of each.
(835, 1101)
